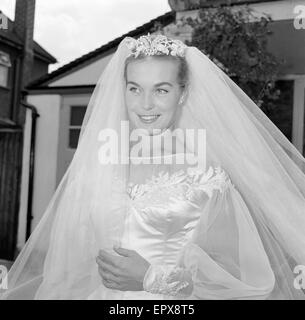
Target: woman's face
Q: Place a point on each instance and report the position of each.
(152, 93)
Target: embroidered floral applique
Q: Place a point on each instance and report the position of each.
(182, 184)
(164, 280)
(212, 179)
(163, 180)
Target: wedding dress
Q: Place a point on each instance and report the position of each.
(165, 213)
(230, 227)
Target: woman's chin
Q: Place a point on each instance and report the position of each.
(149, 129)
(152, 131)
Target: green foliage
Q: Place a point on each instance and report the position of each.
(239, 46)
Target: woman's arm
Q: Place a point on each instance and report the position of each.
(225, 258)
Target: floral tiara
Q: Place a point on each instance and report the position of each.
(151, 45)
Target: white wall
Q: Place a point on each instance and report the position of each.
(65, 154)
(47, 133)
(278, 10)
(24, 181)
(84, 76)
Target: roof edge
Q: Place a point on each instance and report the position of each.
(164, 19)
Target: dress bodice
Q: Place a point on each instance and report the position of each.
(168, 213)
(164, 211)
(162, 215)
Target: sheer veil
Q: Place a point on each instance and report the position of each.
(58, 261)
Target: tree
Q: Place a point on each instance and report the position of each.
(236, 41)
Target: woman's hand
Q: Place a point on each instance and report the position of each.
(125, 272)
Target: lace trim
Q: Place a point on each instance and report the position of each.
(161, 280)
(194, 179)
(212, 179)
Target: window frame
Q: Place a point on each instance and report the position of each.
(5, 63)
(73, 127)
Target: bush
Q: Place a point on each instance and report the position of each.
(237, 42)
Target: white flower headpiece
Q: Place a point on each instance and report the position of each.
(151, 45)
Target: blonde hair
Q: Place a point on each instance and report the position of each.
(183, 73)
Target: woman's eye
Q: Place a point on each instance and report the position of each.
(162, 91)
(134, 90)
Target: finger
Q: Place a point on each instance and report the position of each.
(103, 270)
(106, 266)
(111, 285)
(123, 252)
(110, 277)
(109, 258)
(102, 273)
(107, 284)
(110, 272)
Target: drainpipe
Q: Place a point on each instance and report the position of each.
(29, 218)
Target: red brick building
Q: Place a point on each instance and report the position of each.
(21, 60)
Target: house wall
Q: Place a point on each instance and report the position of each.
(84, 76)
(278, 10)
(46, 148)
(6, 93)
(22, 219)
(65, 154)
(52, 157)
(40, 68)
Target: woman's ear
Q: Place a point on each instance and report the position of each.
(183, 96)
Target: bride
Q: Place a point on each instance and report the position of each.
(180, 188)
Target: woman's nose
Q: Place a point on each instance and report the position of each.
(148, 102)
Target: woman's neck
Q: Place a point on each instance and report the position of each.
(163, 143)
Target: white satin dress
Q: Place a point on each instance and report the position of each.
(185, 223)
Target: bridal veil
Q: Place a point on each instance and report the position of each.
(58, 260)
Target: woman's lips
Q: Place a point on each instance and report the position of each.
(149, 119)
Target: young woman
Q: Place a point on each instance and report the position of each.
(180, 188)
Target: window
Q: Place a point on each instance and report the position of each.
(77, 114)
(5, 64)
